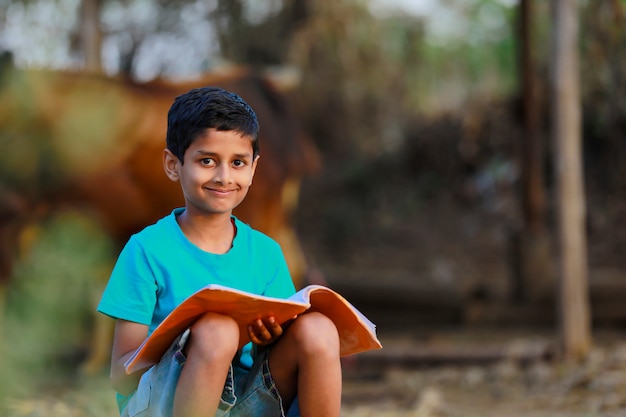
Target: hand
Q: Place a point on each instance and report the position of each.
(265, 331)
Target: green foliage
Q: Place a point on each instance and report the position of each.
(366, 78)
(52, 295)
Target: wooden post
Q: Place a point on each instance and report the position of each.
(575, 323)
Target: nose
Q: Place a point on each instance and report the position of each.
(223, 175)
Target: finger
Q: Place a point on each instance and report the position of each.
(261, 331)
(274, 327)
(253, 337)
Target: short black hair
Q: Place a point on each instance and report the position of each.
(205, 108)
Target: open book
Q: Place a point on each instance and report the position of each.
(356, 332)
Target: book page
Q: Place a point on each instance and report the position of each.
(356, 332)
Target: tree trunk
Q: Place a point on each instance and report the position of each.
(533, 267)
(532, 163)
(91, 35)
(575, 327)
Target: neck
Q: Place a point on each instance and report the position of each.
(212, 234)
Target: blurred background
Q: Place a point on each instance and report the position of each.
(455, 168)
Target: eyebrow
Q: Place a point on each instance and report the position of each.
(201, 152)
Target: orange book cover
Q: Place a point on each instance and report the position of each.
(356, 332)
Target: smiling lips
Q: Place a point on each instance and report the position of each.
(221, 192)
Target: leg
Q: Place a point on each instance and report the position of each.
(210, 350)
(305, 362)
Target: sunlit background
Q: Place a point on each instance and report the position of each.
(418, 114)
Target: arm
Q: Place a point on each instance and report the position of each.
(128, 336)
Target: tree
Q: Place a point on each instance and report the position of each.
(534, 194)
(534, 266)
(90, 35)
(575, 326)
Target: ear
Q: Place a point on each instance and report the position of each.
(254, 164)
(171, 165)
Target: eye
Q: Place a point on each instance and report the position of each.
(207, 161)
(239, 163)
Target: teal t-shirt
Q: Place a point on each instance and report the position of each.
(159, 268)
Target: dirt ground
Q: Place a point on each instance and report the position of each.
(485, 374)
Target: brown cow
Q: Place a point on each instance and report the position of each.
(92, 141)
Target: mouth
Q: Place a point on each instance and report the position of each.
(221, 191)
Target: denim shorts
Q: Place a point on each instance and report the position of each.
(246, 392)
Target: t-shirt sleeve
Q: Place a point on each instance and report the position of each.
(131, 291)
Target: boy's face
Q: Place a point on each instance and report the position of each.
(217, 171)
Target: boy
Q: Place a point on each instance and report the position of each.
(212, 151)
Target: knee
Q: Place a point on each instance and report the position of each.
(316, 334)
(214, 337)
